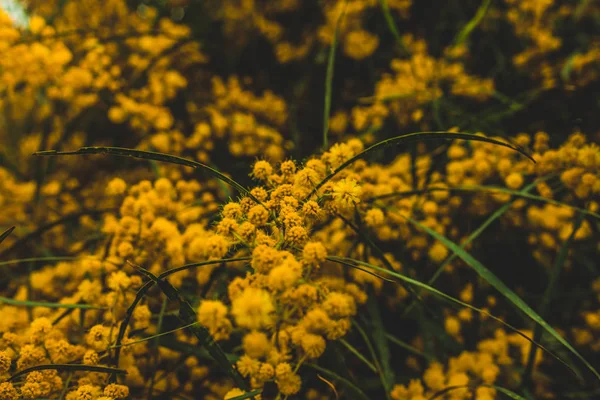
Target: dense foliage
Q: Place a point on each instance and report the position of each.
(281, 199)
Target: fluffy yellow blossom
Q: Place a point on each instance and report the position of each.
(213, 315)
(256, 344)
(346, 193)
(116, 187)
(314, 253)
(253, 309)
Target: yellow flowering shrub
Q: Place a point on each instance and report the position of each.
(305, 253)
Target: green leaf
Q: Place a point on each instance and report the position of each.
(350, 261)
(411, 137)
(171, 343)
(359, 355)
(149, 155)
(6, 233)
(200, 264)
(408, 347)
(389, 20)
(188, 316)
(147, 286)
(505, 291)
(472, 24)
(381, 344)
(128, 314)
(28, 303)
(445, 390)
(507, 392)
(359, 394)
(69, 367)
(329, 77)
(475, 234)
(34, 259)
(547, 298)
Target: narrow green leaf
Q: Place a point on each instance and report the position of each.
(28, 303)
(473, 23)
(69, 367)
(329, 77)
(408, 347)
(547, 298)
(171, 343)
(188, 316)
(359, 394)
(147, 286)
(411, 137)
(128, 314)
(6, 233)
(200, 264)
(34, 259)
(505, 291)
(474, 235)
(381, 344)
(149, 155)
(507, 392)
(359, 355)
(147, 338)
(445, 390)
(389, 20)
(350, 261)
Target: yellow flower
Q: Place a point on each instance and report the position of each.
(258, 215)
(118, 281)
(360, 44)
(514, 181)
(264, 258)
(452, 326)
(434, 377)
(346, 193)
(256, 344)
(116, 391)
(314, 253)
(8, 391)
(253, 309)
(213, 315)
(285, 275)
(5, 362)
(339, 305)
(289, 385)
(313, 345)
(235, 392)
(262, 170)
(437, 252)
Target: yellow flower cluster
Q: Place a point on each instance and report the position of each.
(249, 125)
(471, 374)
(537, 23)
(268, 274)
(145, 231)
(414, 83)
(290, 305)
(267, 19)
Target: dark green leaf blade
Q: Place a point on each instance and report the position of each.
(350, 262)
(411, 137)
(188, 316)
(69, 367)
(6, 233)
(493, 280)
(150, 155)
